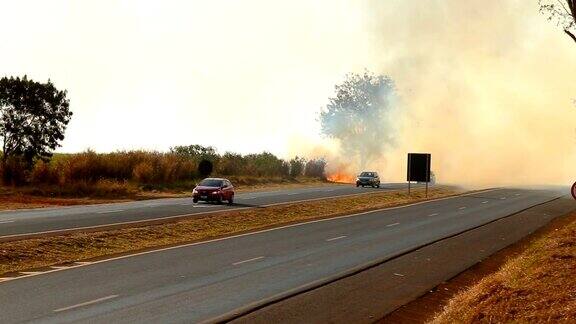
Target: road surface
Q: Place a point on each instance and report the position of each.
(216, 279)
(31, 221)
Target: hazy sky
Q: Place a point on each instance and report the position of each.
(240, 75)
(488, 81)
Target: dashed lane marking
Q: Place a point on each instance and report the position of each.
(249, 260)
(336, 238)
(86, 303)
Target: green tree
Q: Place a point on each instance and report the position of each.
(358, 116)
(297, 166)
(33, 118)
(195, 151)
(563, 12)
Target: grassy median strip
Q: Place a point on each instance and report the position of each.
(537, 286)
(62, 249)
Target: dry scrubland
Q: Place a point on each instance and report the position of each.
(537, 286)
(36, 253)
(129, 173)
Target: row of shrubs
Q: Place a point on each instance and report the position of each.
(153, 168)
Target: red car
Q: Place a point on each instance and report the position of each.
(214, 189)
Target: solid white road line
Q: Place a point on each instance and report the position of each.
(249, 260)
(111, 211)
(399, 274)
(463, 207)
(390, 225)
(85, 303)
(293, 193)
(335, 238)
(434, 214)
(485, 202)
(503, 198)
(7, 221)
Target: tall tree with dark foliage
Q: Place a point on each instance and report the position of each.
(33, 118)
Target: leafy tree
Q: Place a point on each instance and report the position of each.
(297, 167)
(195, 151)
(315, 168)
(358, 115)
(33, 118)
(563, 12)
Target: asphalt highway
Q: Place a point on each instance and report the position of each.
(40, 220)
(213, 280)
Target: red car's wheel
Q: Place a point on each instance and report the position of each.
(573, 191)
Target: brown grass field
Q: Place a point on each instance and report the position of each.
(62, 249)
(537, 286)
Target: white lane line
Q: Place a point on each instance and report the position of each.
(399, 274)
(60, 267)
(390, 225)
(517, 194)
(463, 207)
(292, 193)
(82, 263)
(85, 303)
(204, 206)
(249, 198)
(485, 202)
(27, 273)
(335, 238)
(249, 260)
(503, 198)
(7, 221)
(434, 214)
(111, 211)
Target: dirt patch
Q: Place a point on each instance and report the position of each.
(530, 281)
(42, 252)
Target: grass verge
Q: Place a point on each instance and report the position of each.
(12, 198)
(42, 252)
(539, 285)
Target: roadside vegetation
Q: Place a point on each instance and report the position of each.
(63, 249)
(125, 174)
(537, 286)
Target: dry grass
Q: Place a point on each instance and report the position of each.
(537, 286)
(12, 202)
(12, 198)
(36, 253)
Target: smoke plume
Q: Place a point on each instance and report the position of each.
(485, 86)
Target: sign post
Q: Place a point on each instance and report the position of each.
(419, 168)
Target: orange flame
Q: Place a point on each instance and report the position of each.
(341, 177)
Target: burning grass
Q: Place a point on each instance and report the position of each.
(537, 286)
(37, 253)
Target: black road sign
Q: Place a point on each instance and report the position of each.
(419, 167)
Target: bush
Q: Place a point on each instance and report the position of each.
(297, 167)
(315, 169)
